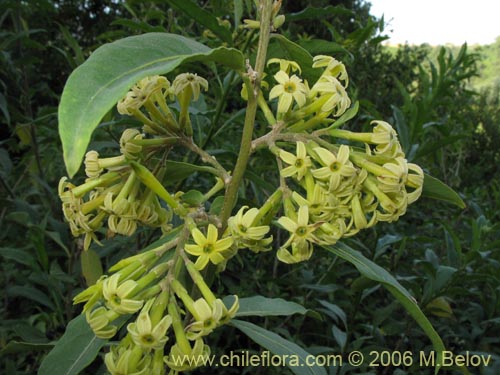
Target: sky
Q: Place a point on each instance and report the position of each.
(439, 21)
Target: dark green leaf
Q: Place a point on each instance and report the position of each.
(4, 108)
(296, 356)
(203, 17)
(73, 44)
(97, 85)
(21, 346)
(262, 306)
(74, 351)
(373, 271)
(323, 47)
(177, 170)
(401, 127)
(30, 293)
(316, 13)
(435, 189)
(18, 255)
(137, 25)
(238, 12)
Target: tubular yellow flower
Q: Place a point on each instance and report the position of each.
(288, 90)
(286, 66)
(144, 334)
(241, 225)
(317, 200)
(337, 99)
(336, 168)
(395, 178)
(301, 251)
(127, 361)
(333, 68)
(299, 229)
(118, 295)
(415, 181)
(127, 148)
(189, 82)
(140, 93)
(228, 314)
(298, 164)
(207, 318)
(208, 248)
(386, 139)
(185, 360)
(99, 320)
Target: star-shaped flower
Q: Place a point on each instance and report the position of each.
(298, 164)
(118, 295)
(336, 167)
(288, 90)
(144, 334)
(208, 248)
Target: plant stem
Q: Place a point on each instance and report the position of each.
(246, 139)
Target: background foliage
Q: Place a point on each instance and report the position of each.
(444, 103)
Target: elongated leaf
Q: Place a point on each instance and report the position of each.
(97, 85)
(296, 356)
(435, 189)
(315, 13)
(32, 294)
(4, 108)
(262, 306)
(374, 272)
(323, 47)
(74, 351)
(205, 18)
(177, 170)
(21, 346)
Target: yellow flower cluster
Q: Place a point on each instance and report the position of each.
(112, 192)
(341, 191)
(139, 285)
(327, 96)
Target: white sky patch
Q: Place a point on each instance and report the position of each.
(439, 21)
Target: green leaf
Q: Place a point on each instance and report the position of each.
(296, 356)
(4, 108)
(91, 266)
(32, 294)
(21, 346)
(177, 170)
(435, 189)
(374, 272)
(262, 306)
(18, 255)
(282, 48)
(323, 47)
(73, 44)
(203, 17)
(315, 13)
(74, 351)
(402, 128)
(97, 85)
(238, 12)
